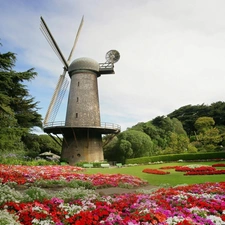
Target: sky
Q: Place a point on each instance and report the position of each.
(172, 52)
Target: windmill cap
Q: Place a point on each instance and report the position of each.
(84, 64)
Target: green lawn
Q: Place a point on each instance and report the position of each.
(172, 179)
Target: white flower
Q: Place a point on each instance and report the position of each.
(174, 220)
(215, 219)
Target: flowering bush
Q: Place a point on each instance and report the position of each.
(155, 171)
(199, 204)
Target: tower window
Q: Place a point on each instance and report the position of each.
(76, 115)
(77, 99)
(78, 83)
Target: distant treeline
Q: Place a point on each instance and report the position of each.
(189, 129)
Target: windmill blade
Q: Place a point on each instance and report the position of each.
(46, 32)
(76, 39)
(59, 99)
(56, 98)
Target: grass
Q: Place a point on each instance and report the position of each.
(172, 179)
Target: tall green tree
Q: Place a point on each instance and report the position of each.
(18, 110)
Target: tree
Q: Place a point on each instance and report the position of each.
(18, 111)
(140, 143)
(47, 144)
(178, 127)
(157, 136)
(110, 150)
(217, 112)
(164, 123)
(178, 143)
(202, 124)
(162, 131)
(188, 115)
(129, 144)
(32, 146)
(208, 135)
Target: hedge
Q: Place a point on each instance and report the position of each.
(176, 157)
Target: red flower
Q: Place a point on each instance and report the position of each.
(155, 171)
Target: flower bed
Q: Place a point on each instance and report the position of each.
(213, 172)
(183, 205)
(199, 170)
(194, 168)
(155, 171)
(168, 167)
(31, 174)
(219, 165)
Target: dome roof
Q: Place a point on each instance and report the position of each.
(84, 64)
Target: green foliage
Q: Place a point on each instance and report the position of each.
(192, 148)
(178, 143)
(21, 159)
(129, 144)
(207, 134)
(32, 146)
(69, 194)
(8, 194)
(63, 183)
(163, 123)
(18, 110)
(190, 113)
(202, 124)
(35, 193)
(178, 127)
(47, 144)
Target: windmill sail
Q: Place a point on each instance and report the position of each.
(63, 81)
(46, 32)
(57, 98)
(76, 39)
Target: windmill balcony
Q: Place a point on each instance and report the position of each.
(58, 126)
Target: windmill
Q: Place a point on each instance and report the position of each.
(82, 130)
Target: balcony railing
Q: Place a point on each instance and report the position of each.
(103, 125)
